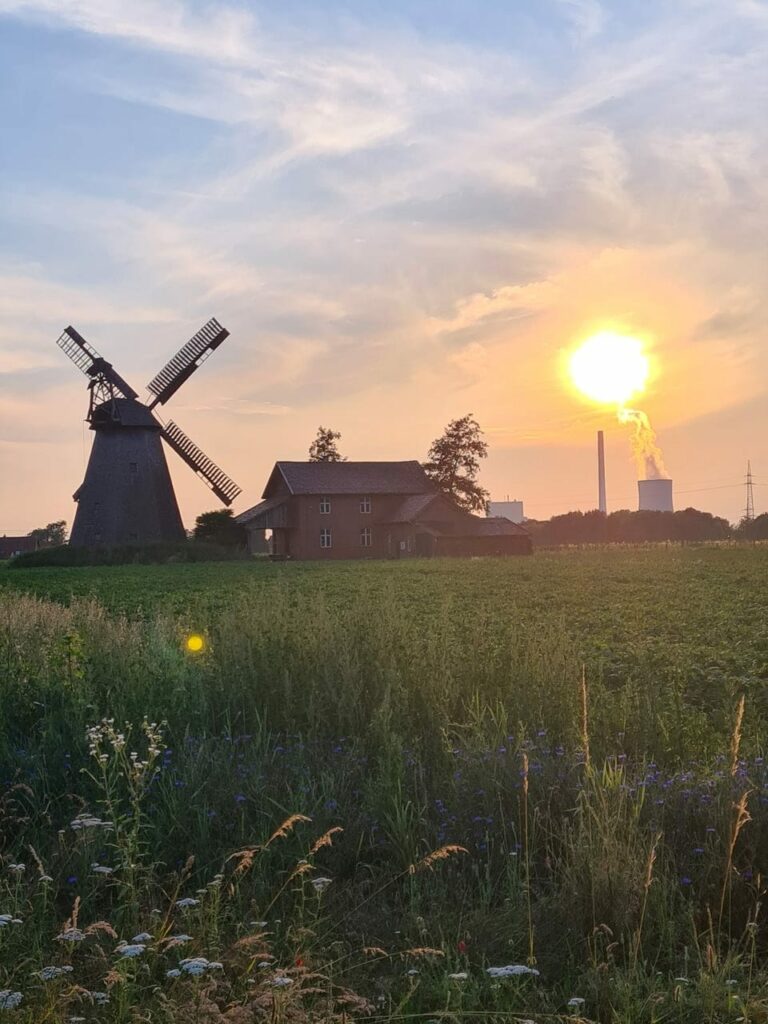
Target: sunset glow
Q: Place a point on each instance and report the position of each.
(609, 368)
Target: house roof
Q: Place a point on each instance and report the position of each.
(350, 478)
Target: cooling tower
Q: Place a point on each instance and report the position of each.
(655, 495)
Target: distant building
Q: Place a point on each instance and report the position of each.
(335, 510)
(12, 546)
(508, 509)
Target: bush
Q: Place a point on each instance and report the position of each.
(126, 554)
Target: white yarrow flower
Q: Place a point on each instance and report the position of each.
(187, 901)
(9, 1000)
(511, 971)
(321, 884)
(130, 949)
(71, 935)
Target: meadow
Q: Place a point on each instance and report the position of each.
(527, 789)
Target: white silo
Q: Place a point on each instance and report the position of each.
(655, 495)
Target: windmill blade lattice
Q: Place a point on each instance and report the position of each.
(186, 361)
(86, 358)
(222, 486)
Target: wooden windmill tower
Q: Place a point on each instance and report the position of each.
(127, 496)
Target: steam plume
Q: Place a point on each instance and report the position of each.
(650, 462)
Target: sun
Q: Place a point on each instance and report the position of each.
(610, 368)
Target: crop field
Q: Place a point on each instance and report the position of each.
(505, 790)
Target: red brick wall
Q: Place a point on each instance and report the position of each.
(345, 521)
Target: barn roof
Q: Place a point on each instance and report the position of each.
(415, 506)
(494, 526)
(351, 478)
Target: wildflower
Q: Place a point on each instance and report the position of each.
(320, 884)
(173, 973)
(461, 946)
(100, 998)
(282, 981)
(511, 971)
(731, 982)
(126, 949)
(178, 940)
(45, 878)
(9, 1000)
(575, 1002)
(6, 919)
(187, 901)
(459, 976)
(49, 973)
(412, 972)
(142, 937)
(197, 965)
(17, 869)
(86, 821)
(101, 869)
(71, 935)
(264, 964)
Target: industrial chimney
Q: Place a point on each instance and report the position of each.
(601, 502)
(655, 495)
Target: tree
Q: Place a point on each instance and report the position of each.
(51, 536)
(453, 463)
(218, 527)
(323, 448)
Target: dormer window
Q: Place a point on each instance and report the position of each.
(325, 506)
(365, 506)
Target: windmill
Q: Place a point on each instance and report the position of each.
(127, 495)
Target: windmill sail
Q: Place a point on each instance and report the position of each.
(86, 358)
(186, 361)
(226, 490)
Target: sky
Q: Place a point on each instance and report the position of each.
(403, 211)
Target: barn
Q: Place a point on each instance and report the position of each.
(12, 546)
(335, 510)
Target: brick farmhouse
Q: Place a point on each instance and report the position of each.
(318, 510)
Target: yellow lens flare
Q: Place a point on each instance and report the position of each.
(195, 643)
(610, 368)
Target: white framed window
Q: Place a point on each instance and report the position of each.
(366, 537)
(325, 507)
(325, 538)
(365, 506)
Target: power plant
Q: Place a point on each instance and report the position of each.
(655, 495)
(512, 510)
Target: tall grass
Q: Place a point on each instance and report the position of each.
(311, 783)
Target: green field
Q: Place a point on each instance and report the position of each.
(570, 721)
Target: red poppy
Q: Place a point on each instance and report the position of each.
(462, 946)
